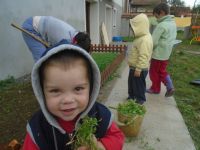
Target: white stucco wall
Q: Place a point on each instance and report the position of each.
(102, 15)
(94, 23)
(119, 2)
(15, 58)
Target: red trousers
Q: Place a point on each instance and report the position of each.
(158, 74)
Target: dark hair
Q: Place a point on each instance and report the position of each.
(161, 7)
(66, 58)
(83, 40)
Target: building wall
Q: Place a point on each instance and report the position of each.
(125, 30)
(119, 2)
(116, 30)
(15, 58)
(94, 23)
(119, 7)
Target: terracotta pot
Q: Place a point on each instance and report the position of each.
(130, 125)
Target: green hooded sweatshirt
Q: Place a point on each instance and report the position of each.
(140, 53)
(164, 36)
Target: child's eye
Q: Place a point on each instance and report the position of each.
(79, 88)
(54, 91)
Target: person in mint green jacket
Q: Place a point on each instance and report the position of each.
(164, 36)
(139, 57)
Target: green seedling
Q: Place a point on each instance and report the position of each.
(132, 108)
(84, 136)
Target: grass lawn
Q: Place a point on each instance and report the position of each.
(17, 102)
(103, 59)
(185, 67)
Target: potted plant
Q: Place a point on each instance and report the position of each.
(130, 116)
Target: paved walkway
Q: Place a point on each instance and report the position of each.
(163, 127)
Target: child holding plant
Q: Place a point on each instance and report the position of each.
(138, 58)
(66, 83)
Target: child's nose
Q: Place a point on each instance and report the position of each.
(68, 98)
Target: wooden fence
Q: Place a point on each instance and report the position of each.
(108, 48)
(121, 49)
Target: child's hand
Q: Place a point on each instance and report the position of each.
(83, 148)
(98, 144)
(137, 73)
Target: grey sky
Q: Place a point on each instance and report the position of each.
(190, 2)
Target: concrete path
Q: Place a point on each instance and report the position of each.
(163, 127)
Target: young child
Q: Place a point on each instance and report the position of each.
(66, 83)
(139, 57)
(164, 36)
(51, 30)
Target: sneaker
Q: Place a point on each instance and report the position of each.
(150, 91)
(169, 92)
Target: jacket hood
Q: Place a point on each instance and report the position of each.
(166, 18)
(140, 25)
(38, 89)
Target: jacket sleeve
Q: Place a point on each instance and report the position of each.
(29, 144)
(143, 55)
(114, 138)
(158, 31)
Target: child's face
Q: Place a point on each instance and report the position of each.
(66, 90)
(158, 16)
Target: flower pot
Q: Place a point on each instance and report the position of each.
(124, 118)
(129, 117)
(130, 125)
